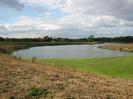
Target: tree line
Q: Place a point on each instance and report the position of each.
(91, 38)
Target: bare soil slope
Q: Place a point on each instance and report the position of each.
(27, 80)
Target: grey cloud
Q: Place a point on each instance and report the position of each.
(3, 28)
(12, 4)
(71, 32)
(118, 8)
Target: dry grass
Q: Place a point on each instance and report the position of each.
(10, 48)
(120, 47)
(20, 78)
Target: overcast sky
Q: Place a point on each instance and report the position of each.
(66, 18)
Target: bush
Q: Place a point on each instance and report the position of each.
(34, 92)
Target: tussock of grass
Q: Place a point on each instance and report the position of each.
(36, 92)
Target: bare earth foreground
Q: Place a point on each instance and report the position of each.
(26, 80)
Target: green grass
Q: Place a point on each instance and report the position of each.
(121, 67)
(34, 92)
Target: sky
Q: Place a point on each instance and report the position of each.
(66, 18)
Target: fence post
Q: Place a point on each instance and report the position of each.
(34, 59)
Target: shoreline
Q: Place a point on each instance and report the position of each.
(9, 47)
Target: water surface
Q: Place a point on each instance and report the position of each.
(69, 51)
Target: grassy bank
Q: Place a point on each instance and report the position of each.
(120, 47)
(21, 79)
(116, 66)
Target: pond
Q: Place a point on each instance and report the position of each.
(69, 51)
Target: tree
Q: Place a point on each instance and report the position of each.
(91, 38)
(1, 39)
(47, 39)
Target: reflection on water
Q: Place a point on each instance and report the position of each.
(69, 51)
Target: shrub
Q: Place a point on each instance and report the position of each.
(34, 92)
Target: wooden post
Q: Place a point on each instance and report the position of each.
(34, 59)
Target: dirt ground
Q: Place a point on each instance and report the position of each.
(21, 79)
